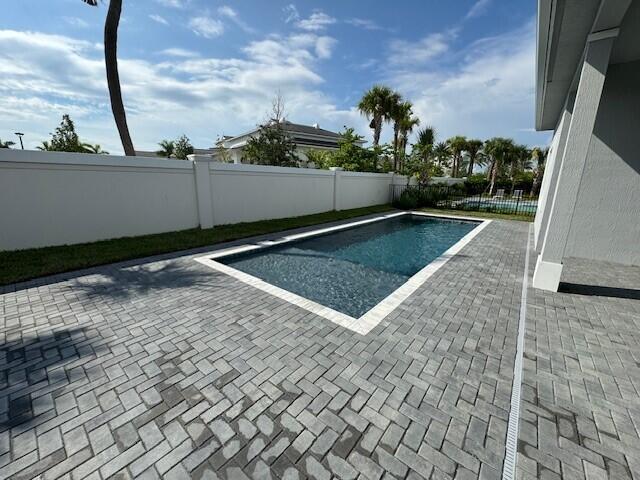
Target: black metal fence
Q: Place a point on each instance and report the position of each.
(460, 198)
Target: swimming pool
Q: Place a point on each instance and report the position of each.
(348, 270)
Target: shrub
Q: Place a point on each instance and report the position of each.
(408, 199)
(416, 197)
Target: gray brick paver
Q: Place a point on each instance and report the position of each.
(240, 383)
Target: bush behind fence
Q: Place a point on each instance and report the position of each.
(460, 198)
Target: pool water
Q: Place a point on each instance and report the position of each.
(352, 270)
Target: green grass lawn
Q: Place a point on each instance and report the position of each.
(23, 265)
(469, 213)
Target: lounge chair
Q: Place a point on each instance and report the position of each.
(499, 194)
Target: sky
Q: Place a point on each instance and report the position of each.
(207, 68)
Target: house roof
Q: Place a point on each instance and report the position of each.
(307, 135)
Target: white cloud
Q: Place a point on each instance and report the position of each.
(230, 13)
(174, 3)
(317, 21)
(202, 97)
(365, 23)
(227, 11)
(478, 8)
(178, 52)
(76, 22)
(291, 13)
(159, 19)
(403, 52)
(206, 27)
(324, 47)
(489, 93)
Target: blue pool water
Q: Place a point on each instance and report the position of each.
(353, 270)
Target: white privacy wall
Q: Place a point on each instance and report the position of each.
(51, 198)
(359, 189)
(246, 193)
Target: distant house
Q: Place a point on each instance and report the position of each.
(196, 151)
(306, 137)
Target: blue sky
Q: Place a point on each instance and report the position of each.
(207, 68)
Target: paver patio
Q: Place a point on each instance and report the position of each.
(169, 369)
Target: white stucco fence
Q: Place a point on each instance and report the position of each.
(51, 198)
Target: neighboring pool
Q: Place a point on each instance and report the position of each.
(353, 270)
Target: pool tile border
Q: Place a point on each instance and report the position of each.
(374, 316)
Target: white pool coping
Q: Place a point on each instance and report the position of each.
(371, 318)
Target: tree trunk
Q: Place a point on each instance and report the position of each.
(494, 174)
(113, 79)
(395, 147)
(512, 173)
(535, 188)
(471, 162)
(377, 129)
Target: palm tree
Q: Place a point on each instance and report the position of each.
(498, 149)
(457, 145)
(518, 159)
(442, 154)
(6, 144)
(401, 114)
(426, 136)
(474, 151)
(96, 149)
(167, 148)
(375, 105)
(45, 147)
(424, 145)
(113, 78)
(540, 156)
(407, 125)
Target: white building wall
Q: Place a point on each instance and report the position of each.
(606, 222)
(550, 178)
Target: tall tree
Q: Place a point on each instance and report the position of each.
(457, 145)
(65, 138)
(518, 158)
(442, 154)
(271, 146)
(423, 148)
(6, 144)
(375, 105)
(407, 125)
(540, 157)
(113, 78)
(474, 151)
(183, 148)
(426, 136)
(401, 114)
(498, 149)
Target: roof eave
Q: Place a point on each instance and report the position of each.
(543, 45)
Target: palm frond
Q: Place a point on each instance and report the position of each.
(93, 3)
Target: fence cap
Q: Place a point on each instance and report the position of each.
(336, 169)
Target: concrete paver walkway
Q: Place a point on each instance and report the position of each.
(169, 369)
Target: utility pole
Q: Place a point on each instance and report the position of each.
(20, 134)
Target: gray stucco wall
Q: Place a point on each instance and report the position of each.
(606, 221)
